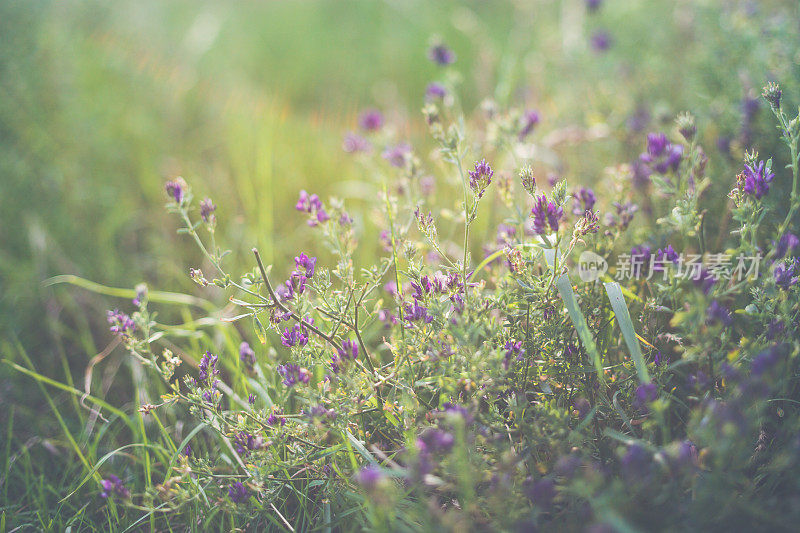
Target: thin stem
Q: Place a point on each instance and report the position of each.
(466, 214)
(285, 309)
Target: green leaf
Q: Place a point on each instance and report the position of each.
(626, 325)
(564, 287)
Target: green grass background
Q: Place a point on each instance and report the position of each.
(100, 102)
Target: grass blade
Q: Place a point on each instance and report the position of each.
(626, 325)
(564, 287)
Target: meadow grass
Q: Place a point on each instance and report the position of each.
(100, 102)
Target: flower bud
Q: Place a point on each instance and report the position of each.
(772, 94)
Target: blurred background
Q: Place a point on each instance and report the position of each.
(101, 102)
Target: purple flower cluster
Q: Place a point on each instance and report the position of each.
(304, 270)
(786, 273)
(120, 323)
(207, 209)
(438, 283)
(756, 179)
(347, 352)
(788, 243)
(666, 254)
(371, 120)
(514, 350)
(176, 189)
(645, 394)
(593, 5)
(275, 418)
(238, 493)
(207, 369)
(320, 413)
(624, 214)
(441, 54)
(584, 201)
(369, 477)
(245, 443)
(601, 41)
(545, 213)
(718, 314)
(529, 121)
(397, 155)
(293, 374)
(297, 335)
(416, 313)
(312, 205)
(480, 177)
(661, 155)
(113, 486)
(247, 355)
(355, 143)
(435, 91)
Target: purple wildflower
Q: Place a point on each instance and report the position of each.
(513, 350)
(436, 440)
(636, 462)
(699, 380)
(349, 350)
(306, 263)
(435, 91)
(113, 486)
(441, 54)
(584, 201)
(311, 204)
(506, 234)
(355, 143)
(545, 213)
(667, 254)
(661, 156)
(787, 243)
(294, 336)
(369, 477)
(207, 368)
(624, 214)
(141, 294)
(775, 329)
(247, 355)
(251, 399)
(238, 493)
(480, 178)
(397, 155)
(718, 314)
(321, 413)
(245, 443)
(705, 281)
(766, 360)
(756, 180)
(416, 313)
(785, 273)
(601, 41)
(541, 492)
(529, 121)
(120, 323)
(293, 374)
(646, 393)
(371, 120)
(593, 5)
(176, 189)
(207, 209)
